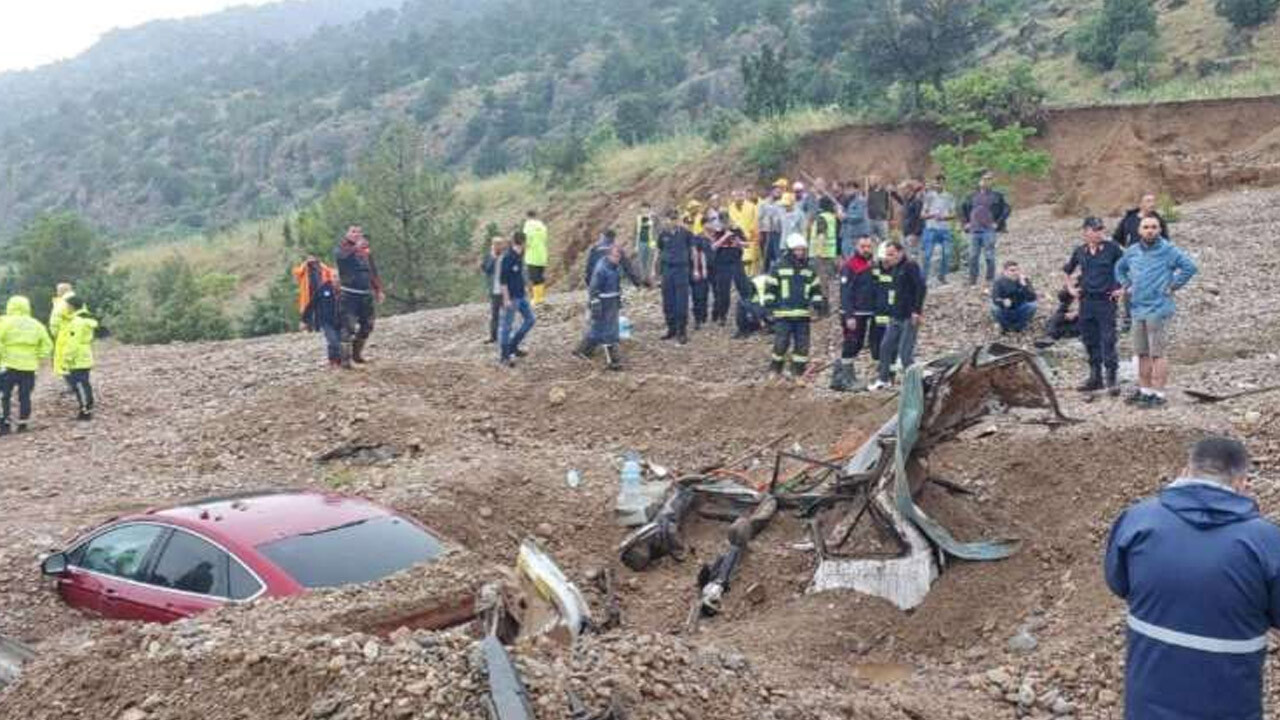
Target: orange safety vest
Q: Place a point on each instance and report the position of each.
(305, 291)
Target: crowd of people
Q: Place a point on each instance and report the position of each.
(792, 255)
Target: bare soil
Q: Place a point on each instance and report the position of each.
(480, 453)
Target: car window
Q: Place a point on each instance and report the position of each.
(193, 565)
(356, 552)
(118, 552)
(243, 584)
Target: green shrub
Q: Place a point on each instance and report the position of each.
(1098, 38)
(1247, 13)
(1137, 55)
(773, 151)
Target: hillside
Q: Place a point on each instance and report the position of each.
(480, 454)
(195, 125)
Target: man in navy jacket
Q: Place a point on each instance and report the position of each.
(1200, 571)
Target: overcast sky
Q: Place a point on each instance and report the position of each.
(35, 32)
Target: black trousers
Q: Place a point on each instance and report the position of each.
(1098, 332)
(83, 389)
(495, 312)
(791, 334)
(357, 316)
(24, 381)
(865, 330)
(675, 298)
(750, 317)
(701, 290)
(723, 282)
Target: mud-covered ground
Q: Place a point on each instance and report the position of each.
(480, 453)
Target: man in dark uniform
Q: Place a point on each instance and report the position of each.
(361, 289)
(1097, 292)
(675, 258)
(605, 293)
(727, 246)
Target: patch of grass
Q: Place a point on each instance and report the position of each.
(253, 253)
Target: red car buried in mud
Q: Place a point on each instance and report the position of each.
(163, 565)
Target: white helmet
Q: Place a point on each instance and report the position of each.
(796, 241)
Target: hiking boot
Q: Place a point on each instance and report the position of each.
(613, 361)
(671, 334)
(22, 428)
(84, 415)
(1113, 383)
(1093, 384)
(357, 352)
(584, 351)
(682, 338)
(843, 377)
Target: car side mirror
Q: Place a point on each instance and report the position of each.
(54, 565)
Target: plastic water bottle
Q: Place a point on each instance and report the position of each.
(573, 478)
(631, 502)
(624, 327)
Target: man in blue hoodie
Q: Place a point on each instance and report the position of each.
(1200, 571)
(1150, 273)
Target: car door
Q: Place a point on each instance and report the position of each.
(106, 565)
(189, 576)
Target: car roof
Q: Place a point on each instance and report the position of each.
(251, 519)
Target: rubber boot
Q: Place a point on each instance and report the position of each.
(345, 361)
(357, 351)
(1113, 383)
(1094, 382)
(612, 358)
(842, 378)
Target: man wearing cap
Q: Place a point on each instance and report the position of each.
(1097, 292)
(1150, 273)
(675, 258)
(1199, 568)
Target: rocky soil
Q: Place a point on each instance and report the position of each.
(480, 453)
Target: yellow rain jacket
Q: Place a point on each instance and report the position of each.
(60, 314)
(23, 339)
(75, 340)
(535, 243)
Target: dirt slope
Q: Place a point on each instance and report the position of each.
(481, 454)
(1102, 156)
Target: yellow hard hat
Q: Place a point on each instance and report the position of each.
(780, 183)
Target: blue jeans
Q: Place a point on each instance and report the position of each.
(937, 237)
(508, 343)
(332, 341)
(982, 242)
(898, 345)
(1014, 319)
(644, 255)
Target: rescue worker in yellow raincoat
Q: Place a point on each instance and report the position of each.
(75, 341)
(24, 342)
(59, 313)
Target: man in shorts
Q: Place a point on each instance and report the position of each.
(1150, 273)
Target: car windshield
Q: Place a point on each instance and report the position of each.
(356, 552)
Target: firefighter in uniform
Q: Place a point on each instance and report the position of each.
(792, 293)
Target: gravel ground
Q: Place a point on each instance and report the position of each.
(480, 453)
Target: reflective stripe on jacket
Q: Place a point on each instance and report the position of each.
(1199, 568)
(792, 289)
